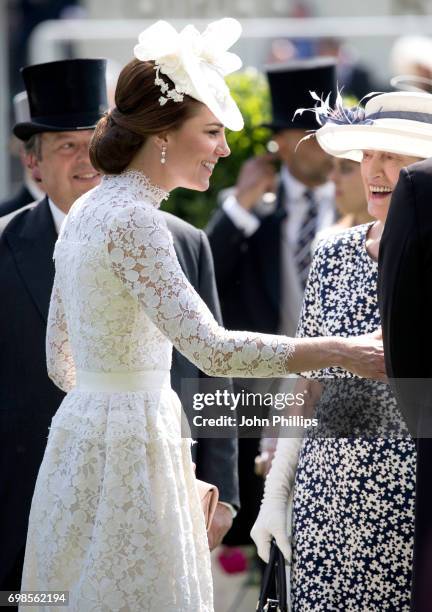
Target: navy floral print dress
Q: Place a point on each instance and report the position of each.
(353, 509)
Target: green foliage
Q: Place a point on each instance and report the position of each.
(250, 91)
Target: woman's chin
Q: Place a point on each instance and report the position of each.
(196, 185)
(379, 210)
(202, 185)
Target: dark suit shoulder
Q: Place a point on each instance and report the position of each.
(423, 166)
(8, 206)
(16, 202)
(181, 228)
(14, 222)
(419, 170)
(221, 225)
(187, 239)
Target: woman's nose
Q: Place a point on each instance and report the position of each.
(333, 176)
(223, 149)
(375, 168)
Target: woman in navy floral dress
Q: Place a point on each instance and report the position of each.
(353, 515)
(353, 496)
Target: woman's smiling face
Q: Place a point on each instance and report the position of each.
(194, 149)
(380, 173)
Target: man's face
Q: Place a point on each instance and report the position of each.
(63, 166)
(307, 162)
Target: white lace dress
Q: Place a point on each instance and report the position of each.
(115, 517)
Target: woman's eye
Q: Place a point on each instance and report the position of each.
(214, 132)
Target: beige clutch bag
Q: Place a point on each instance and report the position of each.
(209, 496)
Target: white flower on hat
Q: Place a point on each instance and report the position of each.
(196, 63)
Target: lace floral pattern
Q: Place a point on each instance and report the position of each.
(104, 523)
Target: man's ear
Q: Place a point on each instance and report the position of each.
(32, 164)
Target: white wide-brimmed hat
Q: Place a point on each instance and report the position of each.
(397, 122)
(196, 63)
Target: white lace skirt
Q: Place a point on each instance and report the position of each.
(116, 518)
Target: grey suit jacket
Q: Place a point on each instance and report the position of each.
(216, 458)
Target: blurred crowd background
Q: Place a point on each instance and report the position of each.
(371, 40)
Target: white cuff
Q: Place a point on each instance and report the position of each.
(242, 218)
(268, 444)
(230, 507)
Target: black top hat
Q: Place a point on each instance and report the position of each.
(63, 96)
(290, 87)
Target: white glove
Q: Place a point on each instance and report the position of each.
(272, 517)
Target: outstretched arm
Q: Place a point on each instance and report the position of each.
(142, 255)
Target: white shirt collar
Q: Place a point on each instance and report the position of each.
(295, 189)
(58, 215)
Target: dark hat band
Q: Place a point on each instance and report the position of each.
(410, 115)
(75, 121)
(60, 123)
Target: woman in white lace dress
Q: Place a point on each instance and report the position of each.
(116, 519)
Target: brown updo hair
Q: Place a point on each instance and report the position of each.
(137, 115)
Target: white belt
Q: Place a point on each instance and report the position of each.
(118, 382)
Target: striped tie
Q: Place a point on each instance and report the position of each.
(302, 253)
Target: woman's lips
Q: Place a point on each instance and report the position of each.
(379, 196)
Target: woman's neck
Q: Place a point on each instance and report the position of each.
(149, 164)
(156, 178)
(374, 238)
(361, 218)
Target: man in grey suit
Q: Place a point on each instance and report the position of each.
(28, 398)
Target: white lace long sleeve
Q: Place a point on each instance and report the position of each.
(141, 252)
(60, 363)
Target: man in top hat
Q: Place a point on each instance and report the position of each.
(262, 256)
(66, 99)
(262, 251)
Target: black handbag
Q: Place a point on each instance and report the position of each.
(274, 581)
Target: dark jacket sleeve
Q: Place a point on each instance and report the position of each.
(405, 292)
(398, 277)
(228, 244)
(216, 458)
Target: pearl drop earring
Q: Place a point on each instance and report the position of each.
(163, 155)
